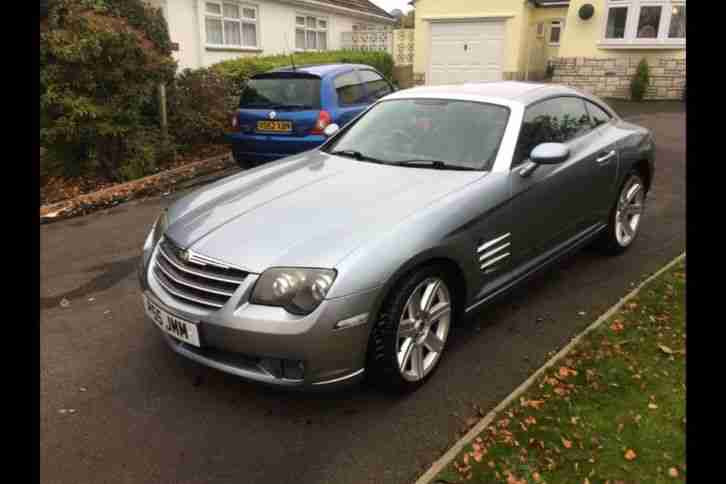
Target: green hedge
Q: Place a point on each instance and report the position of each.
(239, 70)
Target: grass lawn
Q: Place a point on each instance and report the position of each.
(612, 411)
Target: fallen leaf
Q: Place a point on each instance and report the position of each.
(673, 472)
(64, 303)
(652, 406)
(566, 443)
(630, 454)
(617, 326)
(665, 349)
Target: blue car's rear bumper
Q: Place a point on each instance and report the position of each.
(262, 148)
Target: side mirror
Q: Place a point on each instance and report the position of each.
(549, 153)
(331, 129)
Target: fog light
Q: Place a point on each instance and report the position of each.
(293, 369)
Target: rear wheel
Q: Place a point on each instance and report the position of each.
(243, 163)
(625, 216)
(410, 335)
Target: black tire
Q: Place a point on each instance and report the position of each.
(242, 163)
(382, 367)
(608, 241)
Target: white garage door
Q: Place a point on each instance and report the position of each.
(466, 51)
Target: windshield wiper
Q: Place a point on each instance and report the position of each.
(438, 164)
(357, 155)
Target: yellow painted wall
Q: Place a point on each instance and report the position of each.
(537, 50)
(581, 37)
(515, 27)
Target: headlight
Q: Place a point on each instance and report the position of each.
(157, 230)
(297, 290)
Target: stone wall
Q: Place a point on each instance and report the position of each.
(611, 77)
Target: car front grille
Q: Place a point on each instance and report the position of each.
(193, 278)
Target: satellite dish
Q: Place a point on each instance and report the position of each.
(587, 11)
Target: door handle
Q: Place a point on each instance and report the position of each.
(604, 157)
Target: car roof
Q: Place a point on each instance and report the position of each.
(502, 91)
(322, 70)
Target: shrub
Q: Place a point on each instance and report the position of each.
(100, 64)
(198, 106)
(237, 71)
(640, 81)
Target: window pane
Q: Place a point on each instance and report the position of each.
(310, 40)
(300, 20)
(249, 13)
(678, 23)
(349, 89)
(323, 24)
(249, 35)
(214, 8)
(299, 39)
(214, 31)
(554, 121)
(555, 34)
(231, 11)
(597, 115)
(648, 22)
(461, 132)
(616, 23)
(231, 33)
(269, 90)
(311, 22)
(322, 40)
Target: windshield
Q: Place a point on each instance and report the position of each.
(459, 133)
(280, 92)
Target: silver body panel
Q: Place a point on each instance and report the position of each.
(372, 223)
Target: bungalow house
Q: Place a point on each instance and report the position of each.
(204, 32)
(593, 45)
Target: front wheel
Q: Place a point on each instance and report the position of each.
(625, 216)
(409, 337)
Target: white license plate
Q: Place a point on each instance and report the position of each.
(171, 325)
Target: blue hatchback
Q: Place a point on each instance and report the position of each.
(284, 111)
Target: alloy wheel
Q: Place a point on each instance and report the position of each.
(629, 211)
(423, 329)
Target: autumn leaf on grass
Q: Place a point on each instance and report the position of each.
(617, 326)
(673, 472)
(536, 404)
(564, 372)
(665, 349)
(566, 443)
(630, 454)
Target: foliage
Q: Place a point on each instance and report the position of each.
(640, 81)
(614, 407)
(239, 70)
(198, 103)
(100, 64)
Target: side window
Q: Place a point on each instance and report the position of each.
(557, 120)
(597, 114)
(349, 88)
(376, 85)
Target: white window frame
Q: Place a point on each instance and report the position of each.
(630, 39)
(241, 20)
(307, 29)
(555, 23)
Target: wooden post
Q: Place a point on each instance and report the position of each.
(162, 110)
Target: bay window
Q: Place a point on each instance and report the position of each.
(643, 23)
(230, 24)
(311, 33)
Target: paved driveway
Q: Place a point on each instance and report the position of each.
(147, 415)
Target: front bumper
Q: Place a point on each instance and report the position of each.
(245, 339)
(263, 148)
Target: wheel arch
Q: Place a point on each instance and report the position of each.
(428, 258)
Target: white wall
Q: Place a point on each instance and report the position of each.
(276, 21)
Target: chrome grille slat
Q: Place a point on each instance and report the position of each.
(197, 272)
(185, 278)
(180, 294)
(180, 280)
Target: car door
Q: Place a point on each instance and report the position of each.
(376, 86)
(552, 203)
(605, 174)
(352, 97)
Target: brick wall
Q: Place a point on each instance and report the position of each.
(611, 77)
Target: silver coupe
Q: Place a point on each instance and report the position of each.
(358, 258)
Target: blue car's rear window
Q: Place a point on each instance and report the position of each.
(284, 90)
